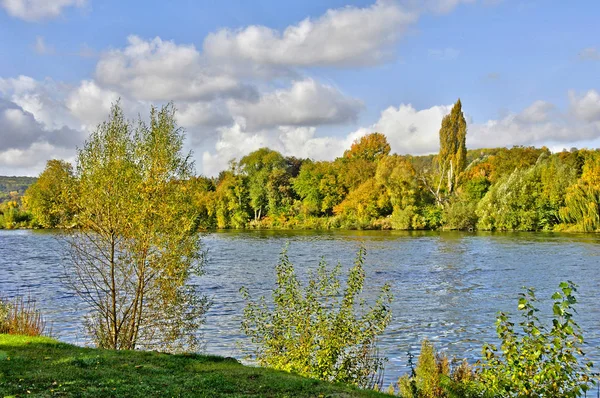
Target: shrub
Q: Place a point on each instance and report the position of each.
(435, 377)
(319, 330)
(540, 361)
(20, 316)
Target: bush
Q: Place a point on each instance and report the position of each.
(435, 377)
(459, 214)
(319, 330)
(21, 316)
(540, 361)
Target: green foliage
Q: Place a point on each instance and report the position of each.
(435, 377)
(540, 361)
(13, 215)
(137, 245)
(262, 168)
(582, 201)
(14, 187)
(319, 330)
(51, 198)
(527, 199)
(460, 213)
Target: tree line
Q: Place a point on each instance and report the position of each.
(505, 189)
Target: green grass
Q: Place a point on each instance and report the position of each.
(43, 367)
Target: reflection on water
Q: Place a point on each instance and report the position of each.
(448, 286)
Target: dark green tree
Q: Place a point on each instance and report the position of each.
(258, 166)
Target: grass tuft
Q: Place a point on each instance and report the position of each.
(21, 317)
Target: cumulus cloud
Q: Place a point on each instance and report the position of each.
(19, 131)
(538, 112)
(35, 10)
(204, 114)
(90, 103)
(32, 160)
(235, 142)
(372, 32)
(158, 70)
(305, 103)
(409, 130)
(42, 99)
(586, 106)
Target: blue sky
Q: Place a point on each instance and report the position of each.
(303, 77)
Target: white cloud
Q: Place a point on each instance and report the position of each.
(32, 160)
(42, 99)
(158, 70)
(539, 124)
(19, 129)
(236, 142)
(409, 130)
(305, 103)
(586, 106)
(90, 103)
(35, 10)
(209, 114)
(538, 112)
(17, 85)
(341, 37)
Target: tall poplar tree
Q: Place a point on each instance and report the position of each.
(453, 149)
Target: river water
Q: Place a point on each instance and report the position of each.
(448, 286)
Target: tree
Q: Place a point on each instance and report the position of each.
(370, 147)
(318, 187)
(453, 149)
(50, 198)
(258, 166)
(582, 200)
(138, 242)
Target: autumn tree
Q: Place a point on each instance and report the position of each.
(138, 244)
(452, 157)
(50, 198)
(370, 147)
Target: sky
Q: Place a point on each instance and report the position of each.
(306, 78)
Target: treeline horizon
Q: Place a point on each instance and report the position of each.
(505, 189)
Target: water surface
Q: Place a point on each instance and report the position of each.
(448, 286)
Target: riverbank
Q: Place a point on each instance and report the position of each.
(40, 366)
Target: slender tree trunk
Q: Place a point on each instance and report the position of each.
(113, 291)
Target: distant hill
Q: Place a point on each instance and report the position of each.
(14, 184)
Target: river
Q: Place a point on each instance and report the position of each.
(448, 286)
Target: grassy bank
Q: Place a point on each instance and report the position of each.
(39, 366)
